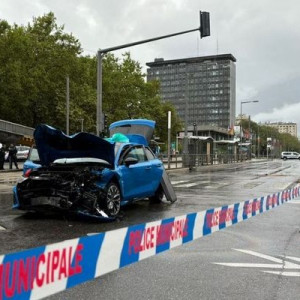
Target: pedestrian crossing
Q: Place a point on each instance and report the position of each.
(200, 184)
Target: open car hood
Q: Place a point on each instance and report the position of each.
(53, 144)
(137, 130)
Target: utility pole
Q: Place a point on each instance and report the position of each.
(169, 138)
(68, 106)
(186, 121)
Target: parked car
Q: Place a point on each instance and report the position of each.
(90, 175)
(290, 155)
(32, 162)
(23, 152)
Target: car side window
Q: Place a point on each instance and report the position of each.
(138, 153)
(149, 154)
(34, 155)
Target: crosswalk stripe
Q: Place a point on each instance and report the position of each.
(187, 185)
(179, 181)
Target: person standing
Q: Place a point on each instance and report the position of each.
(2, 157)
(12, 156)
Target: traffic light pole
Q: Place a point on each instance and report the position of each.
(204, 31)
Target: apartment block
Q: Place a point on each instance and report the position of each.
(202, 89)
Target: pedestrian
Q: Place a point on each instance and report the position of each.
(2, 157)
(12, 156)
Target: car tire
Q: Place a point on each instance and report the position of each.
(284, 158)
(112, 201)
(158, 196)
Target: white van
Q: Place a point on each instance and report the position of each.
(292, 155)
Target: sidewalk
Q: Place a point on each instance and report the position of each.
(6, 167)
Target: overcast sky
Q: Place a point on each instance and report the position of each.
(264, 36)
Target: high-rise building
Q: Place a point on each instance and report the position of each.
(204, 87)
(283, 127)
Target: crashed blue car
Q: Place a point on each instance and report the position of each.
(94, 176)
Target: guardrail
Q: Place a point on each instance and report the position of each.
(44, 271)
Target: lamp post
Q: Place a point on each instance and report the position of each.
(241, 127)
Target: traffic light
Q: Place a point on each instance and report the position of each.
(204, 24)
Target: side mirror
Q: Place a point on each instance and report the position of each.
(130, 161)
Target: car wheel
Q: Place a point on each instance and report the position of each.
(112, 202)
(158, 196)
(284, 158)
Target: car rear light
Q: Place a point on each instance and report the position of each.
(27, 173)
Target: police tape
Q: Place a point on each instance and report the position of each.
(43, 271)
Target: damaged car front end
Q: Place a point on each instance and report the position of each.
(93, 176)
(72, 185)
(73, 175)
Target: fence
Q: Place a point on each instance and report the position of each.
(196, 160)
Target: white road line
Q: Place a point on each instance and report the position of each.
(187, 185)
(2, 228)
(283, 265)
(292, 258)
(179, 181)
(250, 265)
(290, 274)
(294, 202)
(267, 266)
(268, 257)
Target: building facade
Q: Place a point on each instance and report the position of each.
(202, 89)
(283, 127)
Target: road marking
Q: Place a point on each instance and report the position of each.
(287, 265)
(179, 181)
(187, 185)
(291, 257)
(280, 264)
(294, 202)
(268, 257)
(2, 228)
(289, 274)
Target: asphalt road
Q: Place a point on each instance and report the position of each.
(195, 270)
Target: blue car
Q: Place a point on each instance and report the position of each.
(90, 175)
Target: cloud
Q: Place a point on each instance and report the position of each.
(285, 113)
(262, 35)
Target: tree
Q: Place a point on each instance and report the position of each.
(280, 141)
(36, 59)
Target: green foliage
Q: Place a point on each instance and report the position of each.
(35, 61)
(281, 141)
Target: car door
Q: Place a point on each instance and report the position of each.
(156, 169)
(135, 179)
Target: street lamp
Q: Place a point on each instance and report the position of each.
(241, 129)
(243, 102)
